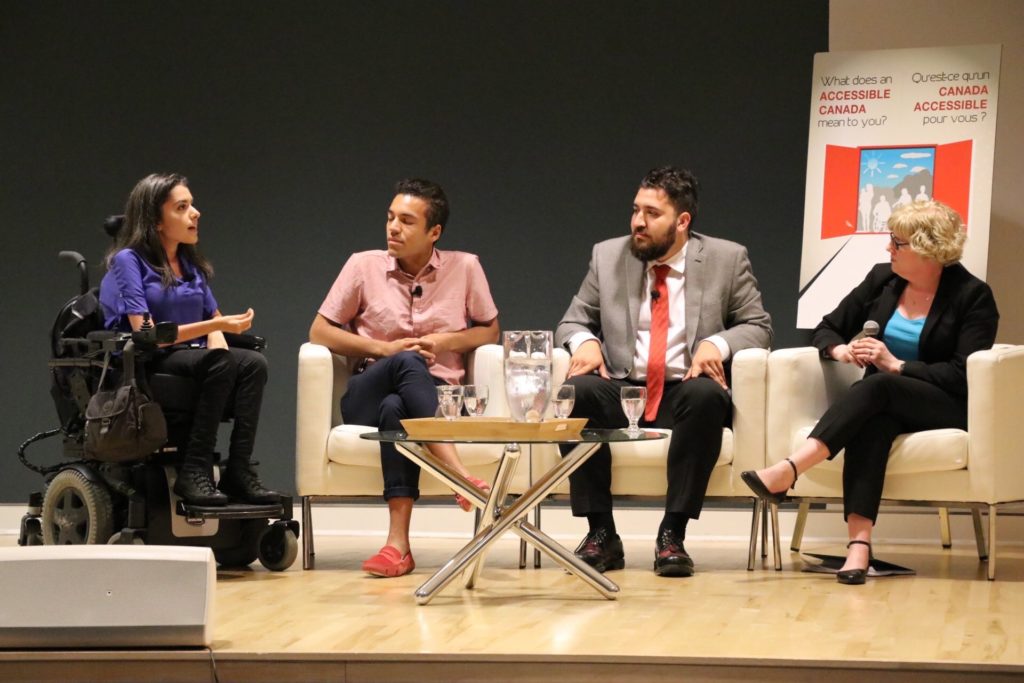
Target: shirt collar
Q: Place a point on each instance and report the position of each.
(433, 264)
(677, 263)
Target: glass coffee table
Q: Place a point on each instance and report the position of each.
(497, 517)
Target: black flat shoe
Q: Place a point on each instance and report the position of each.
(755, 484)
(855, 577)
(602, 551)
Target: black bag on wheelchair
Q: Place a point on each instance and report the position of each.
(123, 424)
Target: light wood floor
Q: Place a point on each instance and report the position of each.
(948, 623)
(948, 612)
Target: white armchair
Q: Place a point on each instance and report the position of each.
(639, 468)
(333, 463)
(977, 468)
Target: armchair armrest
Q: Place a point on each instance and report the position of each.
(801, 387)
(312, 412)
(995, 415)
(322, 377)
(749, 395)
(486, 366)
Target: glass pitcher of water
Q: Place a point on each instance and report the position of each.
(528, 373)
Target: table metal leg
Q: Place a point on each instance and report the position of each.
(426, 460)
(495, 503)
(567, 560)
(536, 522)
(506, 520)
(494, 498)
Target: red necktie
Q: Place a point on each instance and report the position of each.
(659, 342)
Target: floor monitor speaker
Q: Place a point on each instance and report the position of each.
(75, 596)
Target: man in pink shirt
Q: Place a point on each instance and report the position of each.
(412, 313)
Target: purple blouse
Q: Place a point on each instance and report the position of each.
(133, 287)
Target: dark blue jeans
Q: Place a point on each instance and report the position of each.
(388, 391)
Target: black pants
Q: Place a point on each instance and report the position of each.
(868, 419)
(388, 391)
(230, 382)
(695, 410)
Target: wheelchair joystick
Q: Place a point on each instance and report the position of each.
(150, 336)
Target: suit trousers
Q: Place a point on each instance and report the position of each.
(388, 391)
(695, 410)
(868, 419)
(231, 383)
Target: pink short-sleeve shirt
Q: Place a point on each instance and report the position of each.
(373, 297)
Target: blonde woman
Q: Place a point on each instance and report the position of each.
(933, 314)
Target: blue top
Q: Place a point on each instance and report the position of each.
(902, 336)
(133, 287)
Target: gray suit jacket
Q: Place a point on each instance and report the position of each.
(721, 298)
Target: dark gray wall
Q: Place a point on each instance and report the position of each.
(293, 120)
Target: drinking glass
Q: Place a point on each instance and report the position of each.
(634, 400)
(527, 373)
(565, 397)
(449, 401)
(474, 397)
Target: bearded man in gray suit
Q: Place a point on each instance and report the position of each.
(665, 308)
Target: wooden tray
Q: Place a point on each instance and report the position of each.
(498, 428)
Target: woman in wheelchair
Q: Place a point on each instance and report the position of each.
(932, 314)
(155, 268)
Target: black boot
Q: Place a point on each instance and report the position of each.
(239, 480)
(196, 487)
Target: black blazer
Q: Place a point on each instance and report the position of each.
(963, 319)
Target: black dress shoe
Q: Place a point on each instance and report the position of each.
(670, 557)
(755, 484)
(196, 488)
(602, 550)
(240, 481)
(855, 577)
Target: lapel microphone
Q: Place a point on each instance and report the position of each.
(416, 291)
(655, 295)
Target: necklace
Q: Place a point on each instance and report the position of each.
(918, 298)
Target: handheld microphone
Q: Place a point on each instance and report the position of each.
(416, 291)
(871, 329)
(655, 295)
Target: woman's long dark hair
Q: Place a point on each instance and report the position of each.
(142, 212)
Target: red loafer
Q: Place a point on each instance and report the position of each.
(464, 502)
(388, 563)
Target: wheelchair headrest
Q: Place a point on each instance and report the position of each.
(113, 224)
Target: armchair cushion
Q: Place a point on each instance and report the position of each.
(655, 453)
(345, 447)
(935, 450)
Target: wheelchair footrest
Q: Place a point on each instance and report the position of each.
(233, 511)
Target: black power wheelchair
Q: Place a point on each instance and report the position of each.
(88, 500)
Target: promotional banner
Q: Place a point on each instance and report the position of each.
(889, 127)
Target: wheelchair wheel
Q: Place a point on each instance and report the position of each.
(120, 538)
(278, 547)
(246, 550)
(76, 510)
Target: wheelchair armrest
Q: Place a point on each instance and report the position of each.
(99, 336)
(245, 341)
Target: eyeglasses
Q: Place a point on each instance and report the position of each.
(897, 244)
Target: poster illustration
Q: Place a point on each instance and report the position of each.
(889, 127)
